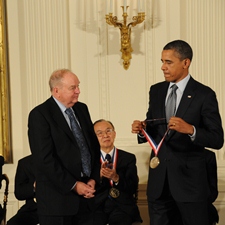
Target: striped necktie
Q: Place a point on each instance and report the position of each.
(171, 103)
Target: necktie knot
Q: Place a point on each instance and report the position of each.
(108, 158)
(174, 88)
(69, 112)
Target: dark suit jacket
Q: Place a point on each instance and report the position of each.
(211, 166)
(57, 156)
(181, 159)
(127, 186)
(24, 183)
(24, 190)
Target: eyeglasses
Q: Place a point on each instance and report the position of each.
(102, 133)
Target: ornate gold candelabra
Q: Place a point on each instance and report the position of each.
(125, 31)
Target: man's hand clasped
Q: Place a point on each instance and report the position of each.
(86, 190)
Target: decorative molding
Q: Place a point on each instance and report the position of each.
(203, 28)
(5, 117)
(45, 38)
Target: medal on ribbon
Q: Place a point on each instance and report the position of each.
(154, 162)
(114, 192)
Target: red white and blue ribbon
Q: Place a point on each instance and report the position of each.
(152, 143)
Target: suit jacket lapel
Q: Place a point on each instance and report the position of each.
(161, 100)
(59, 118)
(187, 98)
(185, 102)
(81, 117)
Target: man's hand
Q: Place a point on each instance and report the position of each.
(87, 190)
(179, 125)
(91, 183)
(137, 126)
(108, 172)
(104, 165)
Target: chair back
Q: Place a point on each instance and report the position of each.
(5, 199)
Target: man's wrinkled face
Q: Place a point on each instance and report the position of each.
(67, 92)
(105, 134)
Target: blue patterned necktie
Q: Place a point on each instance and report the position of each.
(171, 103)
(77, 132)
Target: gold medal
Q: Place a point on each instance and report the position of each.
(113, 192)
(154, 162)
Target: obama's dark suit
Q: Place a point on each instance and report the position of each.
(182, 161)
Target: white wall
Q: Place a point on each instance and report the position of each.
(48, 34)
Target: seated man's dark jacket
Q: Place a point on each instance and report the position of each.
(127, 186)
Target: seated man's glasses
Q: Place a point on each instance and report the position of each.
(102, 133)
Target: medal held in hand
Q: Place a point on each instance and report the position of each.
(114, 193)
(154, 162)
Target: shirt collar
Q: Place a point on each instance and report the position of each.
(181, 84)
(61, 106)
(110, 153)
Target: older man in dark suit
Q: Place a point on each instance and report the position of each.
(177, 179)
(65, 150)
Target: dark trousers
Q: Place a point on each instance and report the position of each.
(110, 213)
(167, 211)
(84, 216)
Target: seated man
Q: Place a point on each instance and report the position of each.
(25, 190)
(115, 202)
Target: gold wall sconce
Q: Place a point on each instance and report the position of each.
(125, 30)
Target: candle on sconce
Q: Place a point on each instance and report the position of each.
(143, 6)
(106, 7)
(138, 5)
(125, 5)
(111, 6)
